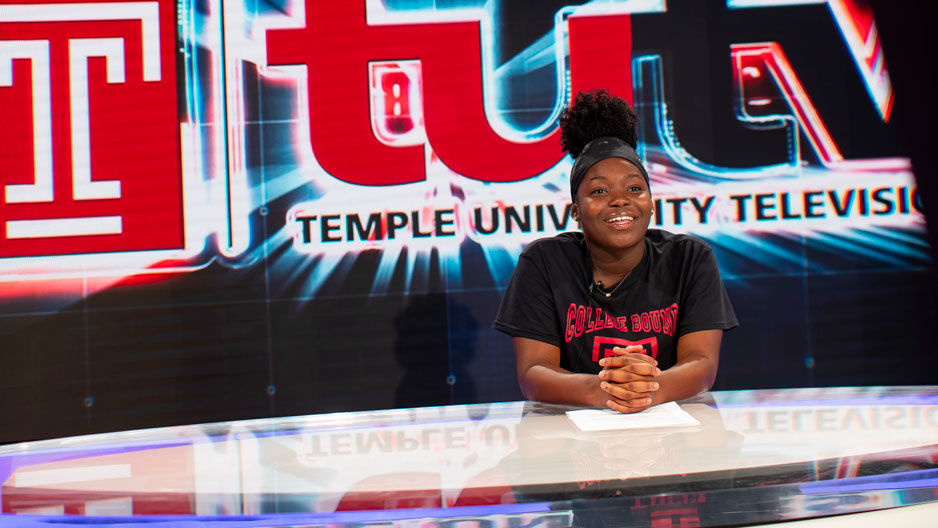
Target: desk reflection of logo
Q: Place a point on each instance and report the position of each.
(89, 128)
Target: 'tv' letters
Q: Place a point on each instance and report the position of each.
(450, 54)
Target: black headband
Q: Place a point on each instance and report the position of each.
(598, 150)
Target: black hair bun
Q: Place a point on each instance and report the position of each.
(596, 114)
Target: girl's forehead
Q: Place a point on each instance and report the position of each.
(615, 166)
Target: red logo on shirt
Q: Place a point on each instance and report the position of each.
(586, 319)
(608, 343)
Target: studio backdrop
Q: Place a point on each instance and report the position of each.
(226, 209)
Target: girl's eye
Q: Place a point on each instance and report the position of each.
(599, 191)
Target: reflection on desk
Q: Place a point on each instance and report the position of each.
(756, 457)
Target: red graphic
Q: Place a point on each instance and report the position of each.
(855, 20)
(90, 135)
(650, 345)
(396, 103)
(396, 87)
(451, 66)
(119, 484)
(762, 73)
(676, 518)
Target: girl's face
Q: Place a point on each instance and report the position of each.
(614, 205)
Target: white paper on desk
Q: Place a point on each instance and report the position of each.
(665, 415)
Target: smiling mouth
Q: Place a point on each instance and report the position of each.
(620, 220)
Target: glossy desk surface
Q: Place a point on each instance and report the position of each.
(756, 457)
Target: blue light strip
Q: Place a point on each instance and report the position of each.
(925, 478)
(743, 4)
(278, 519)
(924, 399)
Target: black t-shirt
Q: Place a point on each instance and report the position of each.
(676, 289)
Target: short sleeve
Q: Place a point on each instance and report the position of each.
(527, 308)
(705, 305)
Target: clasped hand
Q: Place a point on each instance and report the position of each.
(629, 378)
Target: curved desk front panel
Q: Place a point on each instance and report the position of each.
(755, 457)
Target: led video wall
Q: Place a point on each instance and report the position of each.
(219, 209)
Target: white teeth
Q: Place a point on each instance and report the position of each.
(620, 218)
